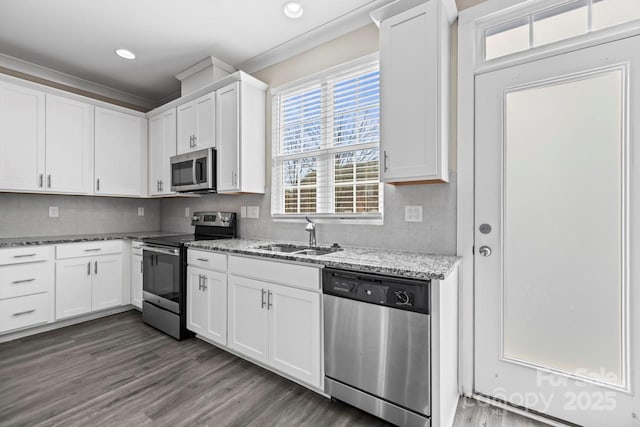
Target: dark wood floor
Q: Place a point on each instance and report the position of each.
(116, 371)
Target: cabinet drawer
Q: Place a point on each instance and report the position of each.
(207, 260)
(16, 313)
(136, 248)
(20, 280)
(76, 250)
(300, 276)
(24, 254)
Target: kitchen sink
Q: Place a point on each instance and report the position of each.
(300, 250)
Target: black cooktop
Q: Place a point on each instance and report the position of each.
(178, 241)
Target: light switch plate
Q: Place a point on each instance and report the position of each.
(186, 212)
(253, 212)
(140, 211)
(413, 213)
(53, 212)
(243, 212)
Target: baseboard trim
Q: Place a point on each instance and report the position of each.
(63, 323)
(519, 411)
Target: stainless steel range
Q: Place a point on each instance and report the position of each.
(165, 271)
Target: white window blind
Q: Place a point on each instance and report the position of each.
(326, 140)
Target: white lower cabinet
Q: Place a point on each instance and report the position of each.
(278, 325)
(106, 289)
(207, 304)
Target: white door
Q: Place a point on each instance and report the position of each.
(205, 121)
(197, 301)
(228, 142)
(107, 282)
(294, 347)
(73, 287)
(248, 317)
(162, 145)
(215, 284)
(69, 146)
(21, 138)
(556, 243)
(119, 140)
(136, 280)
(186, 127)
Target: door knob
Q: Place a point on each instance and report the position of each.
(485, 251)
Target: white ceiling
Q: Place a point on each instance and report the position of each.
(78, 37)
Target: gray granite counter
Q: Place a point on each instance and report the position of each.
(53, 240)
(396, 263)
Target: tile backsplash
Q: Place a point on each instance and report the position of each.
(25, 215)
(435, 234)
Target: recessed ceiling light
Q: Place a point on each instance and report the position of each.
(126, 54)
(293, 9)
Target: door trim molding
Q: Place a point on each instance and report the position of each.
(469, 22)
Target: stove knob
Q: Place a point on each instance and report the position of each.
(195, 218)
(403, 298)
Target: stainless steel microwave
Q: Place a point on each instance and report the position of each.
(194, 172)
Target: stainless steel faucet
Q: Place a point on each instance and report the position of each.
(311, 228)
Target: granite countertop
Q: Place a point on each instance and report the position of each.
(74, 238)
(412, 265)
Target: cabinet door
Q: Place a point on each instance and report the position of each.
(205, 121)
(294, 346)
(119, 140)
(197, 301)
(248, 317)
(69, 146)
(410, 143)
(136, 281)
(21, 138)
(73, 287)
(186, 127)
(215, 285)
(228, 142)
(107, 282)
(162, 145)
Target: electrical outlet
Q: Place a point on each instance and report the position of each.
(53, 212)
(140, 211)
(243, 212)
(413, 213)
(253, 212)
(186, 212)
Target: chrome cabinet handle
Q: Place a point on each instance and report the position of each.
(203, 259)
(141, 267)
(485, 251)
(161, 185)
(23, 281)
(269, 303)
(93, 250)
(204, 282)
(98, 184)
(24, 255)
(386, 156)
(195, 141)
(262, 303)
(89, 268)
(41, 180)
(24, 312)
(95, 269)
(48, 181)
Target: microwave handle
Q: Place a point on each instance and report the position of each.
(193, 169)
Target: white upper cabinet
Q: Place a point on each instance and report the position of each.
(162, 145)
(120, 153)
(69, 146)
(196, 124)
(240, 126)
(22, 138)
(414, 85)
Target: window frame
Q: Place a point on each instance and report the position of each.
(325, 179)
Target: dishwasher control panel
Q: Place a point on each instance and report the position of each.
(405, 294)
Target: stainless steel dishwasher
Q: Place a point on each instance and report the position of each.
(377, 344)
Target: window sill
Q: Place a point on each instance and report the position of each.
(371, 220)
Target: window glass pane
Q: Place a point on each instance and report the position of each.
(301, 121)
(560, 23)
(356, 108)
(607, 13)
(356, 174)
(367, 197)
(299, 179)
(506, 39)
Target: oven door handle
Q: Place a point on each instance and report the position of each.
(174, 252)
